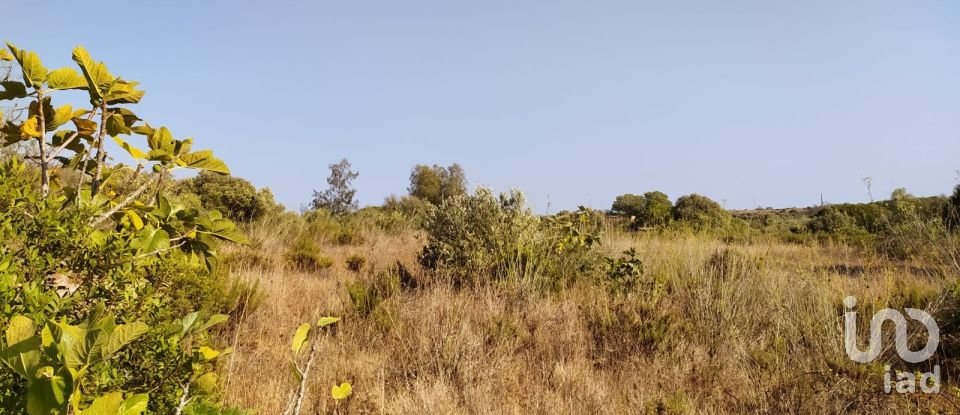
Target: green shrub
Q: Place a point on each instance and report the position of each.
(236, 198)
(340, 230)
(305, 255)
(479, 235)
(649, 210)
(625, 272)
(411, 209)
(700, 212)
(564, 249)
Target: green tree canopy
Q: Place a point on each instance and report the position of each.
(700, 211)
(650, 209)
(234, 197)
(436, 184)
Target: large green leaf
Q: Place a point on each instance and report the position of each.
(161, 139)
(12, 90)
(133, 151)
(34, 73)
(116, 125)
(21, 351)
(60, 137)
(66, 78)
(300, 338)
(124, 92)
(213, 321)
(50, 391)
(204, 160)
(61, 116)
(207, 384)
(135, 405)
(74, 343)
(123, 335)
(20, 328)
(99, 79)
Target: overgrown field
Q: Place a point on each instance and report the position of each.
(709, 327)
(129, 289)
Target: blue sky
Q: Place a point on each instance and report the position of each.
(575, 102)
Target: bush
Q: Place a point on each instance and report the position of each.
(700, 212)
(411, 209)
(479, 235)
(236, 198)
(305, 255)
(651, 209)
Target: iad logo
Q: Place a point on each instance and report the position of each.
(906, 381)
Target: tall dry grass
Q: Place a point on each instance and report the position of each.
(753, 328)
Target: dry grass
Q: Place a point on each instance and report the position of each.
(734, 329)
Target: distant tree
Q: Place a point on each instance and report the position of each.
(339, 196)
(650, 209)
(234, 197)
(437, 183)
(700, 211)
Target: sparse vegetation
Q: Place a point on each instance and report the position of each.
(126, 290)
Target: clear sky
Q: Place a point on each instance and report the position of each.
(750, 102)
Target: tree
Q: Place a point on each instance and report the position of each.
(650, 209)
(85, 246)
(339, 196)
(235, 197)
(436, 184)
(700, 211)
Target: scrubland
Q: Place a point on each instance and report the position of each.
(716, 327)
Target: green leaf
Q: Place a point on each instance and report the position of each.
(73, 344)
(213, 321)
(30, 128)
(122, 336)
(341, 392)
(66, 78)
(12, 90)
(204, 160)
(61, 116)
(20, 328)
(98, 77)
(116, 126)
(300, 338)
(162, 140)
(133, 151)
(135, 219)
(326, 321)
(135, 405)
(108, 404)
(207, 353)
(5, 55)
(50, 391)
(124, 92)
(34, 73)
(207, 383)
(160, 155)
(21, 352)
(86, 127)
